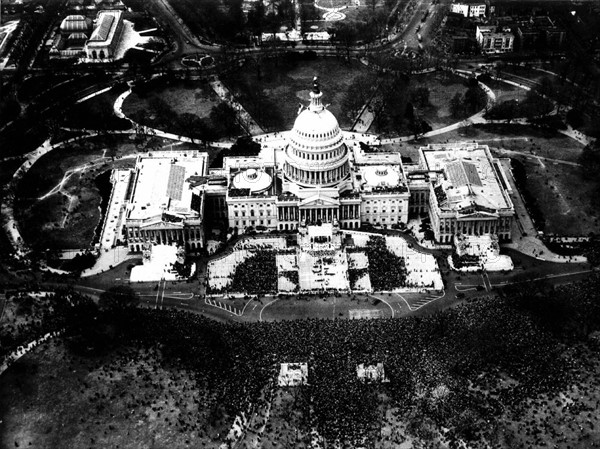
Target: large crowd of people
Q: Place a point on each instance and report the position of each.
(257, 274)
(386, 270)
(464, 369)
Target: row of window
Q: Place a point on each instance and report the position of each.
(251, 206)
(252, 213)
(391, 201)
(374, 220)
(335, 154)
(383, 211)
(320, 135)
(239, 223)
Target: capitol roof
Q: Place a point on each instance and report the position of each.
(163, 184)
(255, 180)
(467, 176)
(380, 176)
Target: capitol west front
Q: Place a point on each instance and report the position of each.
(316, 173)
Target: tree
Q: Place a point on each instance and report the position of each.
(474, 99)
(346, 35)
(118, 299)
(456, 105)
(590, 160)
(420, 96)
(358, 94)
(256, 17)
(224, 118)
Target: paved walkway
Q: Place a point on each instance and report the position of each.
(245, 118)
(109, 258)
(24, 349)
(475, 118)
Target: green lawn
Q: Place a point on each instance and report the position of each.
(272, 91)
(442, 87)
(56, 221)
(190, 97)
(565, 198)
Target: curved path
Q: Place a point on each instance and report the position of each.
(24, 349)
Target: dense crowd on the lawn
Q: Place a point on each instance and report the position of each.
(386, 270)
(459, 369)
(461, 352)
(256, 273)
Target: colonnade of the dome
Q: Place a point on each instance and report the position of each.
(314, 177)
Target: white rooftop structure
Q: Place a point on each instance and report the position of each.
(158, 266)
(468, 178)
(165, 199)
(293, 374)
(380, 176)
(163, 185)
(371, 373)
(485, 247)
(253, 179)
(107, 24)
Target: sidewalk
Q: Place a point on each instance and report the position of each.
(108, 259)
(246, 119)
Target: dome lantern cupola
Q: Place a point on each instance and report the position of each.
(315, 97)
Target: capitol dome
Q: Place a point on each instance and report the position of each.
(316, 154)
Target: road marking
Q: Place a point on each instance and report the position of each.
(162, 298)
(385, 302)
(469, 287)
(246, 305)
(157, 294)
(551, 276)
(266, 305)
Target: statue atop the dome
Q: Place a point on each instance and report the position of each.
(315, 97)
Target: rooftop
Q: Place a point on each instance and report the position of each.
(467, 178)
(164, 184)
(106, 26)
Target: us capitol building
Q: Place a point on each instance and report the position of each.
(316, 173)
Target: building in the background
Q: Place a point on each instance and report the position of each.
(315, 174)
(164, 201)
(493, 40)
(469, 8)
(69, 41)
(540, 34)
(106, 37)
(468, 192)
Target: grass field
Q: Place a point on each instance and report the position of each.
(564, 197)
(191, 97)
(58, 216)
(442, 87)
(274, 96)
(327, 307)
